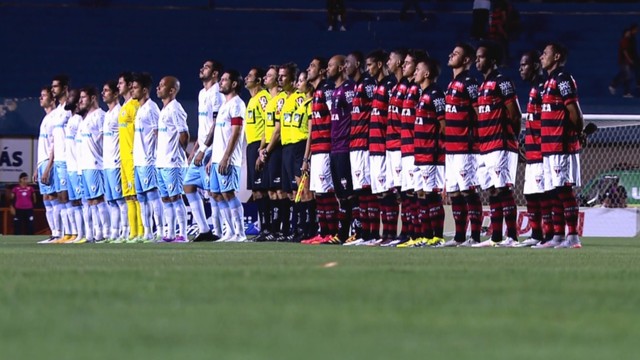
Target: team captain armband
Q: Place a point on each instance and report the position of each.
(236, 121)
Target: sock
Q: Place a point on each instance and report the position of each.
(197, 209)
(225, 217)
(475, 214)
(373, 213)
(534, 214)
(547, 216)
(215, 217)
(264, 213)
(56, 217)
(145, 214)
(237, 216)
(77, 214)
(132, 215)
(571, 210)
(105, 221)
(322, 216)
(460, 214)
(424, 219)
(332, 208)
(312, 224)
(88, 223)
(393, 213)
(123, 227)
(48, 206)
(284, 209)
(170, 218)
(557, 214)
(156, 212)
(180, 210)
(510, 214)
(345, 219)
(139, 224)
(436, 214)
(416, 225)
(72, 220)
(497, 217)
(114, 212)
(95, 216)
(406, 227)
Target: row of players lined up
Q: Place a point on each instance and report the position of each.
(367, 142)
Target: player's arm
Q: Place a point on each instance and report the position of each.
(184, 140)
(275, 138)
(575, 116)
(515, 116)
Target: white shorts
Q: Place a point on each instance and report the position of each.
(533, 179)
(320, 174)
(394, 168)
(429, 178)
(561, 170)
(379, 179)
(501, 167)
(409, 173)
(360, 172)
(484, 180)
(461, 172)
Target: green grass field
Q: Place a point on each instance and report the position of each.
(279, 301)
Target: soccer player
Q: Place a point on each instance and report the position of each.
(111, 164)
(561, 130)
(90, 163)
(78, 210)
(44, 159)
(226, 158)
(270, 158)
(359, 150)
(144, 157)
(429, 151)
(173, 138)
(538, 204)
(126, 121)
(499, 118)
(461, 148)
(60, 116)
(341, 107)
(209, 101)
(293, 137)
(254, 130)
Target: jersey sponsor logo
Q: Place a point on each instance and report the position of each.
(419, 120)
(483, 109)
(546, 107)
(355, 110)
(406, 112)
(375, 112)
(450, 108)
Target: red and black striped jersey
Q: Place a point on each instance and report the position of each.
(361, 114)
(460, 116)
(558, 134)
(379, 115)
(408, 119)
(532, 148)
(429, 144)
(321, 119)
(495, 131)
(394, 121)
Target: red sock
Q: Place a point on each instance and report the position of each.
(571, 209)
(510, 214)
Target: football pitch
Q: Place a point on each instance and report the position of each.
(291, 301)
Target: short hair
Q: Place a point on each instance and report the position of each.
(23, 175)
(402, 52)
(90, 90)
(46, 88)
(234, 75)
(533, 55)
(322, 60)
(215, 65)
(260, 73)
(561, 50)
(378, 55)
(467, 50)
(494, 50)
(433, 66)
(291, 68)
(144, 79)
(359, 57)
(127, 76)
(112, 85)
(417, 55)
(63, 79)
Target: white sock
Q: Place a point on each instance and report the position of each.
(215, 217)
(72, 220)
(56, 218)
(48, 206)
(225, 217)
(156, 210)
(105, 220)
(197, 209)
(170, 217)
(124, 220)
(77, 214)
(64, 219)
(88, 224)
(95, 218)
(145, 212)
(114, 214)
(181, 215)
(237, 216)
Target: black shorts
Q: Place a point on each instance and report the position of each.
(256, 180)
(292, 155)
(341, 175)
(273, 169)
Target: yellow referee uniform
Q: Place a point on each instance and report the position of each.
(126, 122)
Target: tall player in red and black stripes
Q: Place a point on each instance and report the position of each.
(538, 203)
(461, 147)
(393, 143)
(430, 152)
(562, 125)
(499, 119)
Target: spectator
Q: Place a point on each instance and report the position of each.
(415, 4)
(498, 26)
(480, 21)
(627, 60)
(23, 197)
(616, 195)
(335, 12)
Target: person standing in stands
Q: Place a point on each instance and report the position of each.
(335, 13)
(23, 196)
(627, 60)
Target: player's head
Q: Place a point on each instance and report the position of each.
(271, 77)
(60, 86)
(141, 86)
(353, 63)
(375, 63)
(211, 69)
(46, 97)
(287, 75)
(254, 78)
(168, 88)
(317, 68)
(88, 98)
(410, 60)
(553, 56)
(462, 56)
(125, 80)
(110, 92)
(335, 68)
(72, 100)
(488, 56)
(530, 65)
(427, 68)
(396, 59)
(231, 82)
